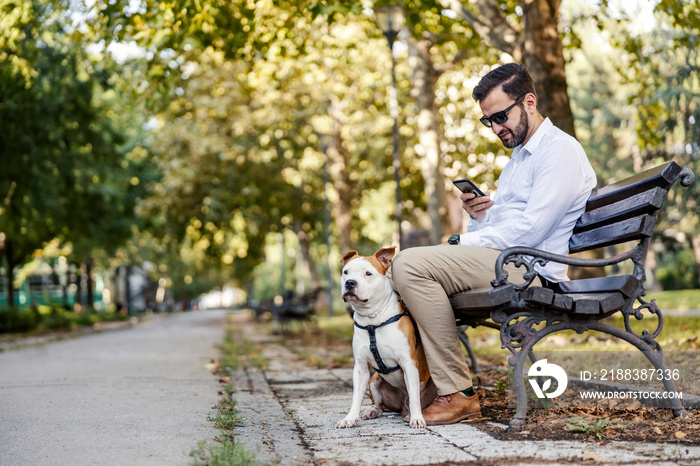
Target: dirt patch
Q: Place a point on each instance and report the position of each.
(594, 424)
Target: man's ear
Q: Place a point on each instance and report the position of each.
(348, 256)
(530, 103)
(385, 255)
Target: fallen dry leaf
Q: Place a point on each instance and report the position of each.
(657, 431)
(680, 435)
(225, 379)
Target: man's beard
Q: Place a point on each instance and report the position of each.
(520, 132)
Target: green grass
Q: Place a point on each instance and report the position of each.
(338, 328)
(227, 450)
(681, 300)
(224, 453)
(236, 353)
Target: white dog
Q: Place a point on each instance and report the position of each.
(385, 338)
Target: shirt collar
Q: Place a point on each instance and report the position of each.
(536, 138)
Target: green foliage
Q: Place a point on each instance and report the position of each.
(14, 320)
(677, 270)
(51, 318)
(236, 96)
(635, 102)
(596, 429)
(227, 417)
(226, 452)
(72, 168)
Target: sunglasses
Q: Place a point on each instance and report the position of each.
(499, 117)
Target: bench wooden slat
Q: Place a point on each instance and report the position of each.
(596, 303)
(482, 298)
(562, 302)
(646, 202)
(626, 284)
(538, 295)
(662, 176)
(628, 230)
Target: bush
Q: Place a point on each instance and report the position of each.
(13, 320)
(57, 319)
(677, 270)
(51, 318)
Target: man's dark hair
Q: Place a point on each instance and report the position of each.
(513, 78)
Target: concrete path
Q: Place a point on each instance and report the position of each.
(291, 409)
(139, 396)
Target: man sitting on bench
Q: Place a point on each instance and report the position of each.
(542, 191)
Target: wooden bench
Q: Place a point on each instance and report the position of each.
(299, 308)
(622, 214)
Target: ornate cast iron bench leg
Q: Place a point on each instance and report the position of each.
(519, 336)
(647, 344)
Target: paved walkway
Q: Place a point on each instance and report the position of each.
(291, 410)
(138, 396)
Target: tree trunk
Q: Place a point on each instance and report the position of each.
(544, 58)
(89, 285)
(538, 46)
(78, 305)
(127, 289)
(652, 282)
(307, 261)
(338, 172)
(695, 241)
(423, 91)
(9, 273)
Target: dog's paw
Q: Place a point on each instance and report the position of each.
(417, 423)
(372, 413)
(345, 423)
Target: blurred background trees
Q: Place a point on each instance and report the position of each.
(202, 138)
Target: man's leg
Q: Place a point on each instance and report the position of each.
(425, 277)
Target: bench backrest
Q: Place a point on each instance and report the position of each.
(624, 211)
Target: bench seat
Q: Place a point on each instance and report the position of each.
(588, 296)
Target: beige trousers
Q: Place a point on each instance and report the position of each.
(425, 277)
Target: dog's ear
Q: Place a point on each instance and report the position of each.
(348, 255)
(385, 255)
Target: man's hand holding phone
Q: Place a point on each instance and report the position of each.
(474, 201)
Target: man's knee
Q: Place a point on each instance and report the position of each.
(405, 264)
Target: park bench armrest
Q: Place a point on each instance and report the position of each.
(529, 257)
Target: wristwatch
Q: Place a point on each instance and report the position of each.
(453, 239)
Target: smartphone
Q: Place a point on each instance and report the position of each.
(467, 186)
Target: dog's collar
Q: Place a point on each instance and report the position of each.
(371, 330)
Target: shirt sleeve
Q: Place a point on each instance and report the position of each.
(554, 191)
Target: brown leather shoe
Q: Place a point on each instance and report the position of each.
(450, 409)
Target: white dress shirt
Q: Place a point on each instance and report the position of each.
(542, 191)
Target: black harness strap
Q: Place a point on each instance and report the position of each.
(381, 367)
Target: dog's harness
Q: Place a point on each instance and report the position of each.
(381, 367)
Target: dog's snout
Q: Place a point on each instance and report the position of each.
(350, 284)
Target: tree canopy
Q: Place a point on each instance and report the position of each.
(199, 135)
